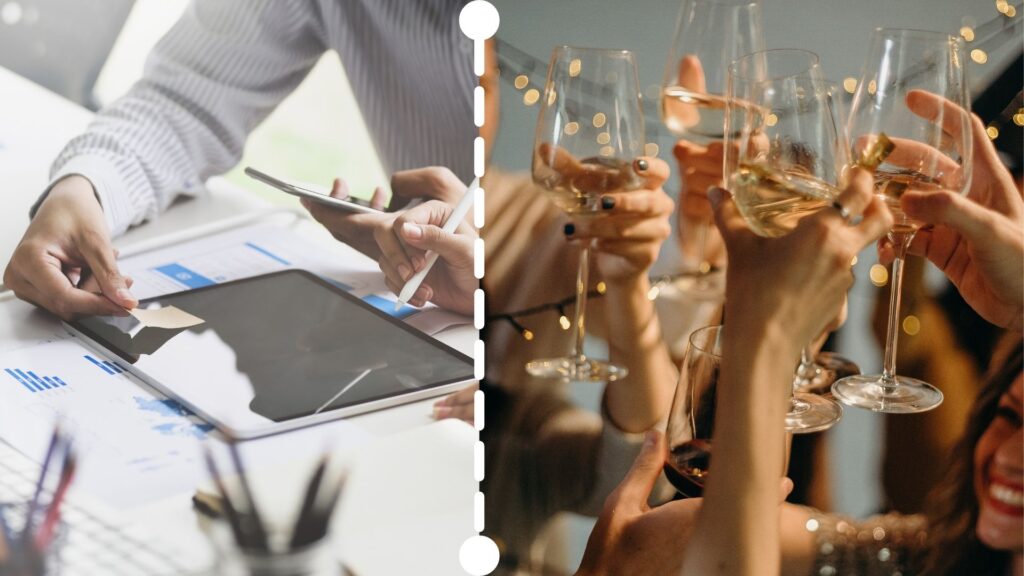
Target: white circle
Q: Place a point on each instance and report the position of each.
(479, 555)
(11, 13)
(479, 20)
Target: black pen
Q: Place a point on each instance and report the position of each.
(229, 510)
(301, 534)
(259, 534)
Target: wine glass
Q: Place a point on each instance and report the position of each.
(927, 156)
(691, 421)
(709, 35)
(785, 155)
(589, 130)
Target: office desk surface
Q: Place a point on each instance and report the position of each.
(429, 517)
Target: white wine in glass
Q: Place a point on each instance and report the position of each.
(905, 66)
(590, 128)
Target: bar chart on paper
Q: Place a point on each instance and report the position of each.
(33, 382)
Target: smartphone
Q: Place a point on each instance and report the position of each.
(350, 204)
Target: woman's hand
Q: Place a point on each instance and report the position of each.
(460, 405)
(700, 168)
(632, 538)
(799, 280)
(629, 232)
(977, 241)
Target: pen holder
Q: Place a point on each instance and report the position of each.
(316, 559)
(19, 560)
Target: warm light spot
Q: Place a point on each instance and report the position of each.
(521, 81)
(599, 119)
(911, 325)
(1010, 12)
(992, 132)
(771, 119)
(572, 128)
(604, 138)
(652, 149)
(850, 84)
(552, 94)
(704, 267)
(854, 261)
(574, 67)
(967, 32)
(527, 335)
(607, 151)
(531, 97)
(602, 287)
(979, 56)
(564, 322)
(1018, 119)
(879, 275)
(652, 294)
(872, 87)
(1002, 5)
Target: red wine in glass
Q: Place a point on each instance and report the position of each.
(687, 467)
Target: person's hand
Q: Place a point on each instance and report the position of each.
(67, 242)
(450, 283)
(459, 405)
(798, 280)
(632, 226)
(977, 241)
(366, 232)
(632, 538)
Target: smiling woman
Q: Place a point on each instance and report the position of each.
(983, 488)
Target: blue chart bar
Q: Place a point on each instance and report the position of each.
(38, 380)
(268, 253)
(112, 366)
(388, 307)
(33, 382)
(97, 363)
(183, 275)
(19, 379)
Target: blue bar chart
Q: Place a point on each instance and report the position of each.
(33, 382)
(107, 366)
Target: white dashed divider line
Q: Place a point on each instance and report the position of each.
(479, 21)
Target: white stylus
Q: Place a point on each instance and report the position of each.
(457, 215)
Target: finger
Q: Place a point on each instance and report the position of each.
(934, 108)
(887, 253)
(456, 249)
(627, 228)
(684, 151)
(696, 206)
(691, 74)
(393, 252)
(876, 222)
(701, 183)
(464, 412)
(339, 189)
(379, 199)
(728, 219)
(430, 182)
(419, 298)
(637, 203)
(653, 171)
(464, 396)
(785, 488)
(639, 481)
(952, 210)
(39, 280)
(99, 255)
(916, 156)
(857, 194)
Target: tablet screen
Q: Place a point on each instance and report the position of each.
(276, 348)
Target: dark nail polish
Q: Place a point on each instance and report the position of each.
(570, 229)
(641, 165)
(607, 202)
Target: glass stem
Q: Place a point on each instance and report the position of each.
(807, 371)
(900, 242)
(582, 280)
(703, 267)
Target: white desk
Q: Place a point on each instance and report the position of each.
(406, 511)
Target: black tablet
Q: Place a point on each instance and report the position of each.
(277, 352)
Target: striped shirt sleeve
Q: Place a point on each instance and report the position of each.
(207, 84)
